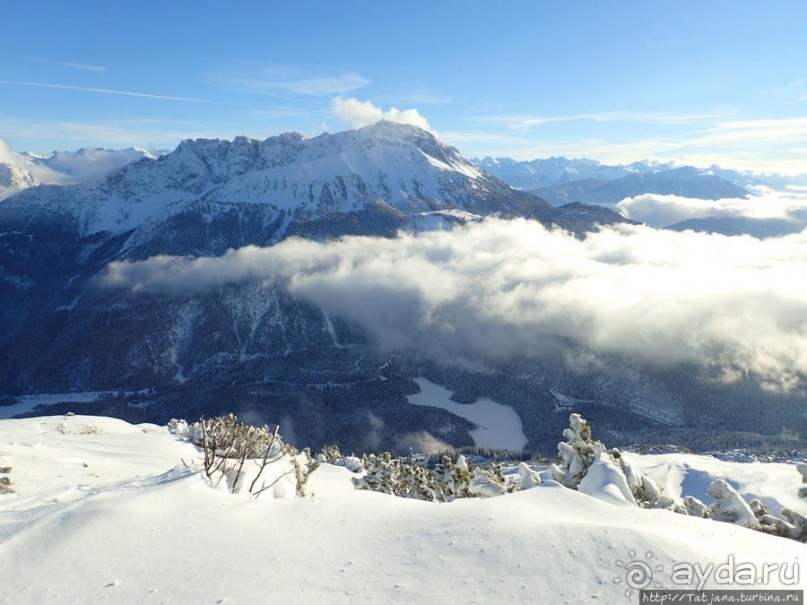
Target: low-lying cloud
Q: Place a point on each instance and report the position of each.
(665, 210)
(37, 173)
(93, 164)
(500, 288)
(363, 113)
(65, 168)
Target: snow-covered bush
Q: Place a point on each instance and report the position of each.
(302, 471)
(465, 480)
(527, 477)
(5, 482)
(390, 475)
(353, 464)
(614, 479)
(577, 453)
(586, 465)
(580, 452)
(605, 479)
(240, 454)
(695, 508)
(770, 523)
(729, 506)
(448, 481)
(802, 468)
(330, 454)
(797, 524)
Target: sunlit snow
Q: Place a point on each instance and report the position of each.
(107, 511)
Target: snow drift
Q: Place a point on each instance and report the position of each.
(104, 510)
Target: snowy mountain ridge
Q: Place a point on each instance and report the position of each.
(252, 342)
(562, 181)
(558, 171)
(259, 347)
(89, 163)
(388, 164)
(684, 182)
(24, 170)
(14, 177)
(532, 174)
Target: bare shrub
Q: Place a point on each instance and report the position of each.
(241, 455)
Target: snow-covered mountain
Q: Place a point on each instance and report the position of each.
(760, 228)
(20, 171)
(685, 182)
(563, 181)
(289, 178)
(87, 165)
(13, 178)
(61, 333)
(253, 347)
(533, 174)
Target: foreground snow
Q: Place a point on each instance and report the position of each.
(107, 511)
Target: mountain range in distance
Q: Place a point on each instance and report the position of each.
(586, 183)
(20, 171)
(293, 180)
(259, 349)
(560, 180)
(241, 347)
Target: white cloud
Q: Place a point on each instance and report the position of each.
(7, 155)
(776, 130)
(665, 210)
(91, 164)
(527, 122)
(363, 113)
(270, 81)
(697, 139)
(63, 168)
(146, 133)
(703, 149)
(41, 174)
(328, 85)
(71, 65)
(500, 288)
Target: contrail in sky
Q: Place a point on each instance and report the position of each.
(108, 91)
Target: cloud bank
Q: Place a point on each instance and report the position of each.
(502, 288)
(29, 172)
(363, 113)
(60, 167)
(90, 164)
(7, 155)
(665, 210)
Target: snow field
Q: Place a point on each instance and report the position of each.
(106, 511)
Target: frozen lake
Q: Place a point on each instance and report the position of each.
(498, 426)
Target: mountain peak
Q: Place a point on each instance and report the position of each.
(395, 129)
(289, 178)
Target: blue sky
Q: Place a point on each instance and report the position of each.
(701, 82)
